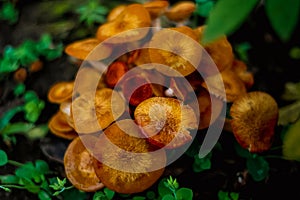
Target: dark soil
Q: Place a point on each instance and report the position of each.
(272, 67)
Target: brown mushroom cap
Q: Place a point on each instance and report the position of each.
(175, 50)
(156, 8)
(166, 121)
(240, 68)
(61, 92)
(78, 164)
(132, 17)
(220, 50)
(181, 11)
(124, 161)
(94, 111)
(254, 117)
(81, 49)
(115, 12)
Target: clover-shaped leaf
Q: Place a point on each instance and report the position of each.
(258, 167)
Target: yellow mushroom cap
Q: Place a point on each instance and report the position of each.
(134, 16)
(156, 8)
(254, 117)
(181, 11)
(61, 92)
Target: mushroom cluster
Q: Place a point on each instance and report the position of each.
(143, 102)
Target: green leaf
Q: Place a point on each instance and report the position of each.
(258, 167)
(139, 198)
(73, 194)
(168, 197)
(226, 17)
(9, 179)
(109, 193)
(43, 195)
(9, 13)
(33, 110)
(295, 53)
(19, 89)
(201, 164)
(42, 167)
(291, 91)
(150, 195)
(162, 188)
(184, 194)
(291, 148)
(18, 127)
(37, 132)
(203, 9)
(8, 115)
(3, 158)
(242, 152)
(222, 195)
(283, 16)
(289, 114)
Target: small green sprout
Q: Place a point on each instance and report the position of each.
(59, 186)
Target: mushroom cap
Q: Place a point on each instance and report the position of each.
(233, 85)
(254, 117)
(114, 13)
(180, 11)
(165, 121)
(156, 8)
(81, 49)
(205, 103)
(219, 50)
(134, 16)
(124, 161)
(175, 50)
(115, 72)
(59, 126)
(65, 108)
(240, 68)
(94, 111)
(78, 164)
(61, 92)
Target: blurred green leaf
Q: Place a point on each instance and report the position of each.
(8, 12)
(226, 17)
(37, 132)
(201, 164)
(150, 194)
(8, 115)
(222, 195)
(291, 91)
(168, 197)
(18, 127)
(258, 167)
(283, 16)
(3, 158)
(289, 114)
(242, 152)
(73, 194)
(19, 89)
(184, 194)
(33, 110)
(291, 147)
(295, 53)
(203, 8)
(9, 179)
(42, 167)
(43, 195)
(109, 193)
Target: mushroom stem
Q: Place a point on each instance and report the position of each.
(156, 23)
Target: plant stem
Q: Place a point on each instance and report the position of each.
(13, 186)
(15, 163)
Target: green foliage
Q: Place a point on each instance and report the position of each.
(201, 164)
(203, 7)
(106, 194)
(92, 12)
(27, 53)
(256, 165)
(3, 158)
(226, 17)
(291, 140)
(283, 16)
(222, 195)
(168, 188)
(9, 13)
(295, 53)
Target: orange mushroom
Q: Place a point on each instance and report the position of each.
(114, 73)
(94, 111)
(233, 85)
(124, 161)
(156, 8)
(82, 49)
(254, 117)
(115, 12)
(181, 11)
(166, 121)
(59, 126)
(61, 92)
(132, 17)
(240, 68)
(78, 164)
(220, 50)
(175, 48)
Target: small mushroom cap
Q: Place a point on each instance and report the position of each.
(115, 12)
(205, 103)
(181, 11)
(156, 8)
(166, 121)
(134, 16)
(233, 85)
(61, 92)
(78, 164)
(254, 117)
(124, 161)
(175, 50)
(93, 112)
(115, 72)
(81, 49)
(240, 68)
(220, 50)
(65, 109)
